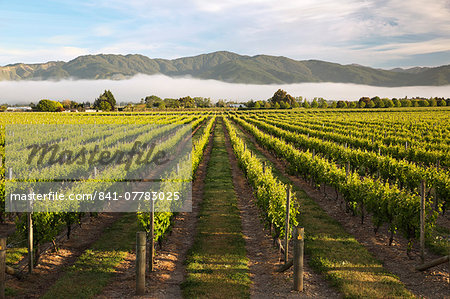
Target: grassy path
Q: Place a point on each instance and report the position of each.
(96, 266)
(217, 265)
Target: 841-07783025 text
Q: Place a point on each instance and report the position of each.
(103, 196)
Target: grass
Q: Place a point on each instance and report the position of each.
(96, 266)
(336, 254)
(217, 265)
(200, 131)
(10, 292)
(15, 255)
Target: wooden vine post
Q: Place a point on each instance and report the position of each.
(152, 238)
(140, 263)
(286, 229)
(30, 238)
(30, 242)
(298, 236)
(2, 266)
(422, 221)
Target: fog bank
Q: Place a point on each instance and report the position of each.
(138, 87)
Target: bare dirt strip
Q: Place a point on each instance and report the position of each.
(433, 283)
(263, 255)
(169, 270)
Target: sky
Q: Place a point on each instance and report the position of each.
(376, 33)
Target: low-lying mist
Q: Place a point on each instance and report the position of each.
(132, 90)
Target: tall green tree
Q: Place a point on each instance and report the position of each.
(152, 101)
(201, 102)
(107, 97)
(171, 103)
(379, 103)
(305, 104)
(187, 102)
(49, 106)
(278, 96)
(282, 96)
(442, 103)
(290, 99)
(105, 106)
(341, 104)
(388, 103)
(351, 104)
(406, 103)
(322, 103)
(220, 103)
(424, 103)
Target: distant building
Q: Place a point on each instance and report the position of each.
(237, 105)
(19, 109)
(91, 110)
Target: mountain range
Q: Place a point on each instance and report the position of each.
(227, 67)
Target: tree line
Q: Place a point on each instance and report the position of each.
(280, 100)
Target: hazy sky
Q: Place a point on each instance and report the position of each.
(377, 33)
